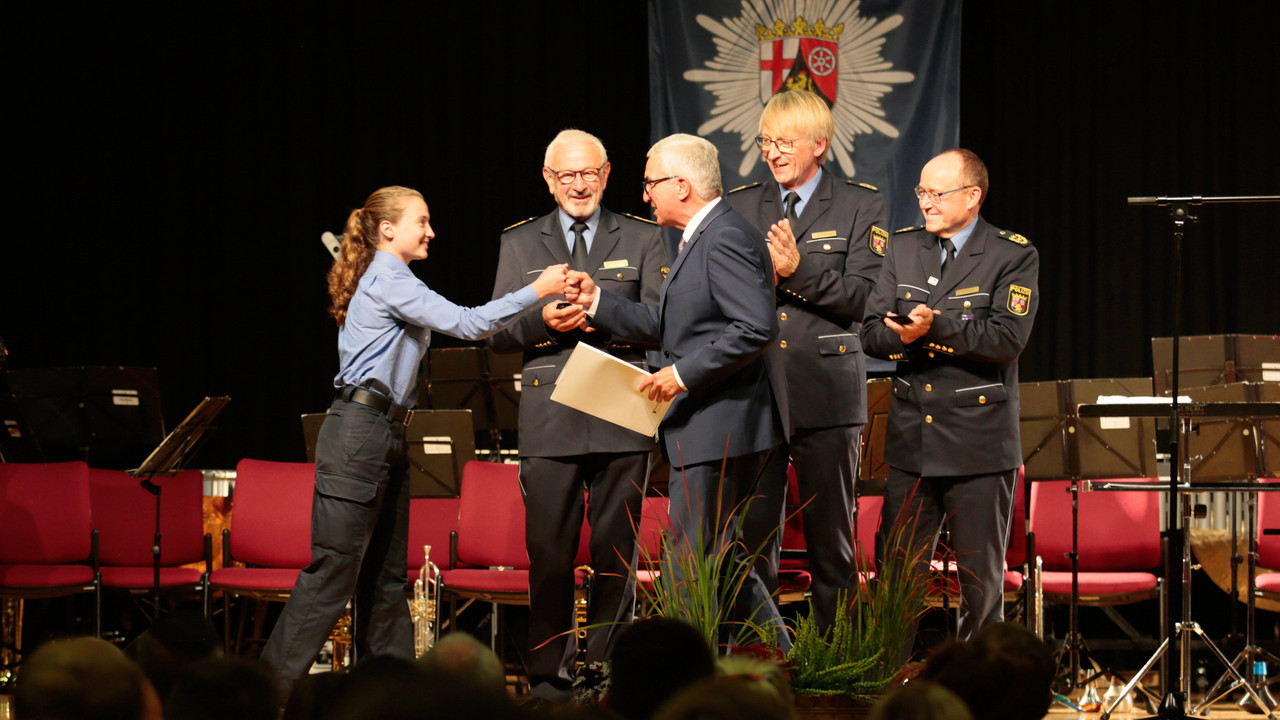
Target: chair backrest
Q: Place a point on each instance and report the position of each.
(124, 515)
(869, 507)
(1015, 555)
(431, 519)
(793, 517)
(44, 513)
(654, 519)
(1269, 520)
(491, 516)
(1118, 531)
(271, 513)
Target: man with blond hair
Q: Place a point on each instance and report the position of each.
(827, 240)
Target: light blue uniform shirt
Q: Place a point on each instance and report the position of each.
(389, 324)
(566, 224)
(805, 192)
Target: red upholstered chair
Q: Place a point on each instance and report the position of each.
(48, 547)
(124, 515)
(1268, 538)
(270, 532)
(431, 522)
(487, 559)
(654, 521)
(794, 577)
(1119, 543)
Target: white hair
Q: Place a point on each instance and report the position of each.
(572, 135)
(692, 158)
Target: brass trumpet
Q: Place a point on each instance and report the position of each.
(424, 607)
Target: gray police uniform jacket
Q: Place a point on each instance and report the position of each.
(626, 258)
(954, 409)
(841, 239)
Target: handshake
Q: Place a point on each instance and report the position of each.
(578, 290)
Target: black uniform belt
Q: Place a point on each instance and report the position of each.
(368, 398)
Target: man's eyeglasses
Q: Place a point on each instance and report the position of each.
(933, 197)
(566, 176)
(647, 185)
(784, 145)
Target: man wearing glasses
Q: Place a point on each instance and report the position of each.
(827, 241)
(954, 306)
(716, 319)
(564, 452)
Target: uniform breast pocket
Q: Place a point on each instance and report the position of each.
(969, 307)
(981, 395)
(901, 389)
(541, 376)
(617, 279)
(909, 296)
(831, 250)
(844, 344)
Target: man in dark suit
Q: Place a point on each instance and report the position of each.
(954, 306)
(827, 240)
(714, 323)
(564, 451)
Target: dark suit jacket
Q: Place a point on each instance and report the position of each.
(715, 321)
(955, 394)
(626, 258)
(820, 307)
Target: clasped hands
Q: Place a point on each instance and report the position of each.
(571, 313)
(579, 294)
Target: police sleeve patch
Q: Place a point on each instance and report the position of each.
(878, 240)
(1019, 300)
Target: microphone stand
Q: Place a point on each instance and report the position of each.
(1176, 695)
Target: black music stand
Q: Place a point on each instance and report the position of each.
(1178, 546)
(440, 443)
(1058, 444)
(873, 470)
(1225, 449)
(167, 459)
(479, 380)
(1216, 360)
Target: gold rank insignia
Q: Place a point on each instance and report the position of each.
(637, 217)
(743, 187)
(872, 188)
(665, 270)
(1019, 300)
(908, 229)
(878, 240)
(1014, 237)
(509, 227)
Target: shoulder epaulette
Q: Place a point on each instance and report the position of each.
(535, 217)
(637, 217)
(1013, 237)
(909, 229)
(872, 188)
(744, 187)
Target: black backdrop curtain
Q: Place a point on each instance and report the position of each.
(170, 171)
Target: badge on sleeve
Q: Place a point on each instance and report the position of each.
(1019, 300)
(879, 240)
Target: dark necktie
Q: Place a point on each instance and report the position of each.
(790, 201)
(579, 247)
(950, 247)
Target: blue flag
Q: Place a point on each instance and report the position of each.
(889, 69)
